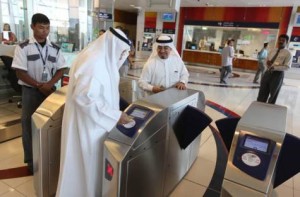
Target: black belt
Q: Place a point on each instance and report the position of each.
(28, 87)
(53, 88)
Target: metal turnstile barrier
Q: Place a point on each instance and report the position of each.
(146, 158)
(46, 134)
(169, 161)
(254, 151)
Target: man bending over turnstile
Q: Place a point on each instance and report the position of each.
(91, 111)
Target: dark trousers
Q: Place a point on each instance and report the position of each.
(270, 84)
(225, 71)
(31, 100)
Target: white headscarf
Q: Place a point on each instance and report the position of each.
(103, 56)
(164, 40)
(108, 47)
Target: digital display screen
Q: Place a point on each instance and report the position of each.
(168, 17)
(139, 113)
(256, 143)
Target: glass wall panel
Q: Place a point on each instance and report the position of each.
(12, 12)
(73, 21)
(247, 40)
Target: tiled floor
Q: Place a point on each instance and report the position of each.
(236, 97)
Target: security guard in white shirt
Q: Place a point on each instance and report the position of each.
(278, 61)
(39, 64)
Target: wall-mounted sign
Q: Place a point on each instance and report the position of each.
(295, 39)
(169, 31)
(233, 24)
(149, 30)
(106, 16)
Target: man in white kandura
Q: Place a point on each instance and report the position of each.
(91, 111)
(164, 68)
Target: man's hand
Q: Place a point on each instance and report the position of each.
(269, 65)
(124, 119)
(157, 89)
(180, 86)
(46, 88)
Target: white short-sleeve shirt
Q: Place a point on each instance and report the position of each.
(30, 56)
(227, 56)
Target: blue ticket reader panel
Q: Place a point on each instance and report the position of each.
(140, 115)
(253, 155)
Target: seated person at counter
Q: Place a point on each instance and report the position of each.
(164, 68)
(7, 37)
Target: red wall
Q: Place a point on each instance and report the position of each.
(279, 15)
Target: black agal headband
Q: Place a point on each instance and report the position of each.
(120, 36)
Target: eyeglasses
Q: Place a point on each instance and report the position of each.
(163, 48)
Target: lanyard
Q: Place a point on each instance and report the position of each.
(44, 60)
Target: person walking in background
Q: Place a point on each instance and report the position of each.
(227, 58)
(7, 36)
(164, 68)
(278, 61)
(261, 56)
(39, 64)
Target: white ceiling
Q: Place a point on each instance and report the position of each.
(143, 4)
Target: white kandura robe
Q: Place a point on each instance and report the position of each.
(91, 111)
(163, 72)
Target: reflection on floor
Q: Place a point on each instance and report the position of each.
(236, 96)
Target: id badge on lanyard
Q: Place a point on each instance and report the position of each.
(44, 74)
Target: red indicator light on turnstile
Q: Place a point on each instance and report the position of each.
(109, 170)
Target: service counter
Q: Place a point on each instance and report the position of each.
(213, 58)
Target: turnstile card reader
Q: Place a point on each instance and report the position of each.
(253, 155)
(139, 115)
(254, 151)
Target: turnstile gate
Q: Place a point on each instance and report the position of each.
(149, 156)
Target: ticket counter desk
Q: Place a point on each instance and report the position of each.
(211, 58)
(157, 114)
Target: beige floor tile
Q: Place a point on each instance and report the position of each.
(289, 183)
(17, 181)
(12, 193)
(27, 189)
(205, 135)
(297, 181)
(10, 149)
(201, 172)
(12, 162)
(208, 150)
(4, 188)
(283, 191)
(296, 193)
(188, 189)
